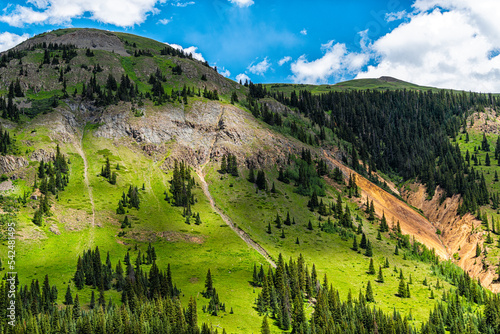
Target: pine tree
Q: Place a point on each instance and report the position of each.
(287, 221)
(209, 287)
(92, 300)
(76, 308)
(355, 244)
(120, 210)
(371, 268)
(268, 228)
(402, 289)
(68, 299)
(369, 293)
(282, 234)
(310, 226)
(251, 175)
(380, 277)
(278, 221)
(478, 250)
(369, 251)
(363, 242)
(264, 329)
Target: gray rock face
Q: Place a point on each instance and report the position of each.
(202, 131)
(10, 163)
(42, 155)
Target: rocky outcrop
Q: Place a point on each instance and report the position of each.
(198, 133)
(42, 155)
(9, 163)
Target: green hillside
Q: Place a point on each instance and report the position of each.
(114, 151)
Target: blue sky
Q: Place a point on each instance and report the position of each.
(444, 43)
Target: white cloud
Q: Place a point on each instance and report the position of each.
(191, 50)
(445, 43)
(303, 32)
(225, 73)
(165, 21)
(284, 60)
(9, 40)
(242, 77)
(336, 61)
(259, 68)
(242, 3)
(389, 17)
(124, 13)
(183, 4)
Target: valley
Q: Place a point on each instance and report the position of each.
(126, 145)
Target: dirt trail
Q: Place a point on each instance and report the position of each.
(242, 234)
(79, 149)
(411, 222)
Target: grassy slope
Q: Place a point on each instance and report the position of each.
(345, 268)
(200, 246)
(356, 84)
(475, 139)
(230, 260)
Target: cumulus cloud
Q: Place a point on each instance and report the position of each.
(242, 3)
(284, 60)
(191, 50)
(336, 61)
(165, 21)
(225, 73)
(259, 68)
(303, 32)
(124, 13)
(9, 40)
(242, 77)
(444, 43)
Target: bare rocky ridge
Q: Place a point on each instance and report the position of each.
(82, 38)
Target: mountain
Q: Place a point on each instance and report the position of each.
(141, 180)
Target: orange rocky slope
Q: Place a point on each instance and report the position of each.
(459, 234)
(411, 222)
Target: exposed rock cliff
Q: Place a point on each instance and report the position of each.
(10, 163)
(460, 235)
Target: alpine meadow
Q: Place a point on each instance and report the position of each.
(144, 192)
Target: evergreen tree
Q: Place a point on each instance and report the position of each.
(309, 226)
(355, 244)
(402, 291)
(209, 288)
(369, 293)
(380, 277)
(363, 242)
(68, 299)
(92, 300)
(368, 250)
(371, 268)
(264, 329)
